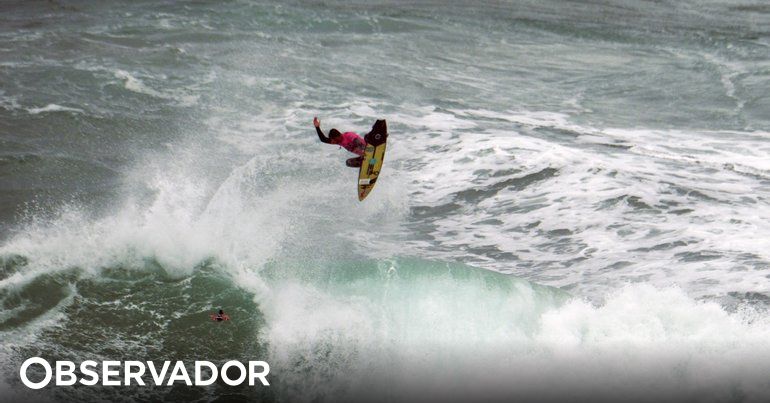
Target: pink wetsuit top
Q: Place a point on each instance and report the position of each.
(353, 143)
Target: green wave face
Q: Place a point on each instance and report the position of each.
(345, 326)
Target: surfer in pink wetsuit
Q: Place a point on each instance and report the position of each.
(220, 317)
(348, 140)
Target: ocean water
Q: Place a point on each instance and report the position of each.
(575, 202)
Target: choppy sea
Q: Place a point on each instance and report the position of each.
(575, 202)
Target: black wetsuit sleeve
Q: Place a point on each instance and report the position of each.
(321, 136)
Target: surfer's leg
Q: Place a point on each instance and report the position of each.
(354, 162)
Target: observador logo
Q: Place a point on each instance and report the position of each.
(125, 373)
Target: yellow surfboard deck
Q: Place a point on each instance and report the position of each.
(374, 155)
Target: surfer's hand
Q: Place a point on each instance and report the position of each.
(316, 122)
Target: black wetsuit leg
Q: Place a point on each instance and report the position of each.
(354, 162)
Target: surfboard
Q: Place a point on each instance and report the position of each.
(373, 158)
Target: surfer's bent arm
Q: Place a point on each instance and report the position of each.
(321, 136)
(317, 124)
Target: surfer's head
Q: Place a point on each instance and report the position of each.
(221, 312)
(335, 136)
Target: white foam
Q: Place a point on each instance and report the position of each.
(53, 108)
(729, 71)
(401, 338)
(9, 102)
(428, 118)
(654, 167)
(134, 84)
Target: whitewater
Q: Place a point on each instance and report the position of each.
(574, 203)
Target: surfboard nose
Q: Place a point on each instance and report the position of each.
(379, 133)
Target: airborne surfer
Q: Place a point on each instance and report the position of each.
(348, 140)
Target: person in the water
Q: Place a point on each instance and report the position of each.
(348, 140)
(220, 317)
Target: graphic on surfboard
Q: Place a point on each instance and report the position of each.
(373, 157)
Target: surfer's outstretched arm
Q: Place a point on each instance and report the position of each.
(318, 131)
